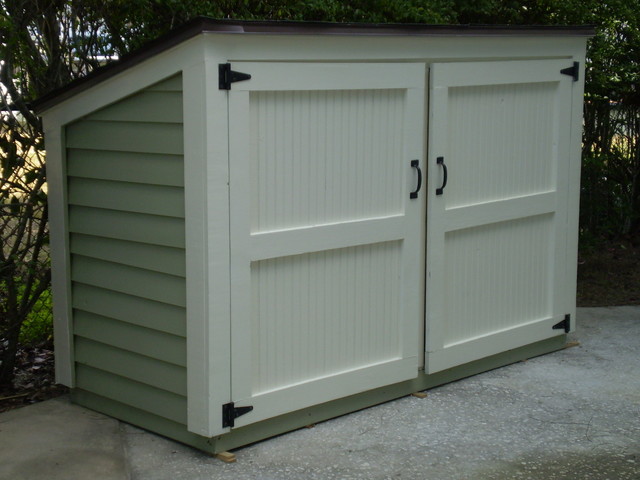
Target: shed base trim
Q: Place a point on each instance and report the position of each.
(291, 421)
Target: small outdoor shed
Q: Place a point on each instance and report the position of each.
(256, 226)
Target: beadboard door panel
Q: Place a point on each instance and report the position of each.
(324, 235)
(499, 134)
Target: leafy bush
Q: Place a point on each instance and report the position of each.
(38, 326)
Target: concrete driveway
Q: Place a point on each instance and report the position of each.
(573, 414)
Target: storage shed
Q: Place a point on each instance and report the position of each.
(256, 226)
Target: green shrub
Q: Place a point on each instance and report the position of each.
(38, 326)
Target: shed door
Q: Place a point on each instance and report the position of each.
(496, 236)
(324, 237)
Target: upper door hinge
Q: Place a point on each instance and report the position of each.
(564, 324)
(572, 71)
(231, 412)
(226, 76)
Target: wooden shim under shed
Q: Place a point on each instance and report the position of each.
(420, 394)
(20, 395)
(226, 457)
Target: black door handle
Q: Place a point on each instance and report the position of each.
(416, 164)
(440, 161)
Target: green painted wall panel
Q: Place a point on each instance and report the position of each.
(126, 196)
(149, 106)
(136, 227)
(159, 402)
(126, 336)
(131, 280)
(125, 189)
(127, 308)
(142, 255)
(147, 370)
(149, 168)
(171, 84)
(126, 136)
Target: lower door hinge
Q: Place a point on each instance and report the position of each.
(572, 71)
(564, 324)
(231, 412)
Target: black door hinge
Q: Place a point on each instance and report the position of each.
(564, 324)
(230, 413)
(572, 71)
(226, 76)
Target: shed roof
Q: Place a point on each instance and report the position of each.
(209, 25)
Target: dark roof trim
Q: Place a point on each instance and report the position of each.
(377, 29)
(210, 25)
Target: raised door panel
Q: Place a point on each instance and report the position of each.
(496, 235)
(324, 236)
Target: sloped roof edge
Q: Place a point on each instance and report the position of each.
(209, 25)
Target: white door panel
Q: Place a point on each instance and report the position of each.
(496, 236)
(324, 237)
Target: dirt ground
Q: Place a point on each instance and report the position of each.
(607, 276)
(610, 275)
(34, 380)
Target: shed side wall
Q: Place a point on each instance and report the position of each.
(127, 251)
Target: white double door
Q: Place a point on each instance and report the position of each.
(328, 245)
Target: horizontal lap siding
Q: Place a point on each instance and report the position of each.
(137, 394)
(135, 254)
(150, 168)
(127, 197)
(131, 309)
(144, 228)
(133, 366)
(134, 281)
(125, 189)
(161, 138)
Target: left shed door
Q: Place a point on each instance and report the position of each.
(325, 241)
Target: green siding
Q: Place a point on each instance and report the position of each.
(134, 254)
(134, 281)
(152, 229)
(125, 190)
(127, 197)
(126, 336)
(152, 106)
(146, 370)
(149, 168)
(121, 389)
(127, 308)
(165, 138)
(171, 84)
